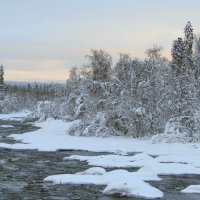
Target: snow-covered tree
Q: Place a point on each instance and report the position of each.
(126, 76)
(183, 73)
(184, 87)
(188, 77)
(123, 68)
(177, 53)
(177, 74)
(197, 56)
(188, 44)
(197, 66)
(74, 74)
(150, 88)
(100, 63)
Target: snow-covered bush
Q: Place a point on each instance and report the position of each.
(113, 122)
(76, 129)
(9, 104)
(182, 129)
(97, 127)
(50, 109)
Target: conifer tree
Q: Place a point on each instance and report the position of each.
(188, 44)
(189, 76)
(183, 82)
(197, 66)
(183, 72)
(197, 57)
(177, 75)
(177, 56)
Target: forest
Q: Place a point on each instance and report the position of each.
(152, 97)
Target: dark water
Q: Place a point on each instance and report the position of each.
(22, 173)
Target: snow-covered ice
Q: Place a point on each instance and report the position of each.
(15, 116)
(6, 126)
(152, 159)
(93, 171)
(117, 181)
(192, 189)
(110, 161)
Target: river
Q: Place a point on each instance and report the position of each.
(22, 173)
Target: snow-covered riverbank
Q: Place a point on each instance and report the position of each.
(52, 136)
(152, 159)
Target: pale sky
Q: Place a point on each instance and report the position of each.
(41, 39)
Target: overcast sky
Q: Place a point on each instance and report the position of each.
(42, 39)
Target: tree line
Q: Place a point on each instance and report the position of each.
(138, 97)
(133, 97)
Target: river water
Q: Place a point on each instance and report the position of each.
(22, 173)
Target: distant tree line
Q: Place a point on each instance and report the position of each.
(2, 84)
(15, 97)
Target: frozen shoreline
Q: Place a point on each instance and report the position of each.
(15, 116)
(152, 159)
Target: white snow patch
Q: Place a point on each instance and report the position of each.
(131, 188)
(15, 116)
(117, 181)
(192, 189)
(150, 167)
(6, 126)
(110, 161)
(93, 171)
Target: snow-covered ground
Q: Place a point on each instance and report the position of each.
(152, 159)
(52, 136)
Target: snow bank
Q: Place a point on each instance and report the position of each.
(192, 189)
(117, 182)
(52, 136)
